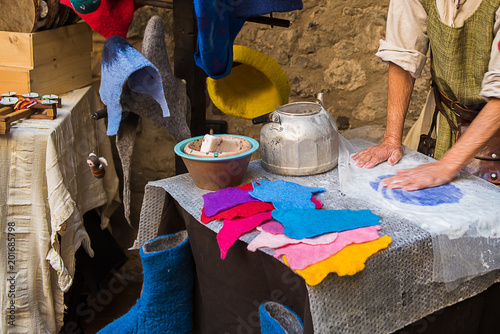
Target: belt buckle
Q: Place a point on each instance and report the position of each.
(453, 109)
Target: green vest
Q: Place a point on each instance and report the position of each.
(459, 60)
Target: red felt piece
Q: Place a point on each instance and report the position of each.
(112, 18)
(247, 186)
(241, 211)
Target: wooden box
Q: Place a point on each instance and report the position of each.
(47, 62)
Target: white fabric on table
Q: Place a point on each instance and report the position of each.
(45, 188)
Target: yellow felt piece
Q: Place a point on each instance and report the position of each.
(256, 85)
(348, 261)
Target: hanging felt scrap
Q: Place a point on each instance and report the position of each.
(107, 17)
(308, 223)
(301, 256)
(122, 63)
(348, 261)
(247, 8)
(217, 29)
(285, 194)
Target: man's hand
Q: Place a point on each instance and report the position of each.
(420, 177)
(372, 156)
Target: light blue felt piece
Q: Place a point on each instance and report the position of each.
(122, 63)
(284, 194)
(309, 223)
(446, 193)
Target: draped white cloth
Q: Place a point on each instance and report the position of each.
(45, 188)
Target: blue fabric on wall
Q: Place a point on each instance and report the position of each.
(309, 223)
(122, 63)
(247, 8)
(217, 29)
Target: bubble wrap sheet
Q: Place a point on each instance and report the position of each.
(396, 287)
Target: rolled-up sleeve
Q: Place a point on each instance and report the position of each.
(406, 42)
(491, 81)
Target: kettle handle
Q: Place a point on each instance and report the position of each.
(320, 99)
(263, 118)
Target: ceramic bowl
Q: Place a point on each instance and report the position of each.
(193, 148)
(214, 173)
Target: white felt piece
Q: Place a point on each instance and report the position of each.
(218, 144)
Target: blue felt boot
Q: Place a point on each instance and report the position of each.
(279, 319)
(165, 305)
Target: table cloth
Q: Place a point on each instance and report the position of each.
(45, 188)
(395, 289)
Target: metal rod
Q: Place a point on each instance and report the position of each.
(269, 21)
(155, 3)
(100, 114)
(255, 19)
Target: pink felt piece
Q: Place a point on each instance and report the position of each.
(241, 211)
(234, 228)
(301, 256)
(272, 226)
(266, 239)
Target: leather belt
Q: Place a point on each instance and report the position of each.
(464, 113)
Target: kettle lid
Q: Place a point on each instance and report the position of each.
(300, 108)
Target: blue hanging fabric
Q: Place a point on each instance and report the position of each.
(217, 29)
(247, 8)
(122, 63)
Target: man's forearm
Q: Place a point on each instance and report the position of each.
(398, 99)
(481, 130)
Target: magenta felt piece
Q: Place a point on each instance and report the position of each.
(234, 228)
(224, 199)
(317, 203)
(301, 256)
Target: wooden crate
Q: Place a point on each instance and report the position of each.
(48, 62)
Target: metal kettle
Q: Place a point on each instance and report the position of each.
(299, 138)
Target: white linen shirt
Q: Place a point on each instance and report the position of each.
(407, 43)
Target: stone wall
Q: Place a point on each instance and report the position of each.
(330, 48)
